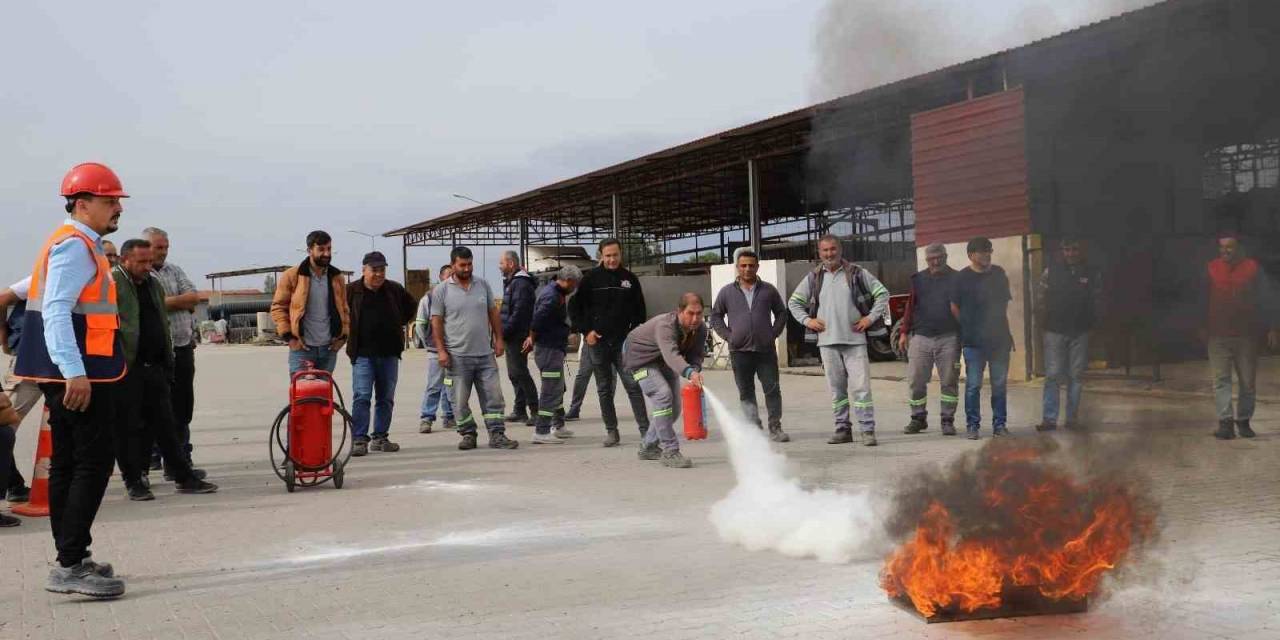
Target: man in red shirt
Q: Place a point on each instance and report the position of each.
(1241, 311)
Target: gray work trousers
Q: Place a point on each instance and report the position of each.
(848, 368)
(480, 373)
(1239, 355)
(550, 362)
(925, 354)
(661, 388)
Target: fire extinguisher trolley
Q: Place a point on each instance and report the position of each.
(302, 434)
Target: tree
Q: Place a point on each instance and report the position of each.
(706, 257)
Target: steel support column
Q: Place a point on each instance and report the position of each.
(615, 202)
(524, 242)
(753, 206)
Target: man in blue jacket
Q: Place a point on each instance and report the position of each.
(549, 339)
(518, 289)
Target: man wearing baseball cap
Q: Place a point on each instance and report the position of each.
(380, 309)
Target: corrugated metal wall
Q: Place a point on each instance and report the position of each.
(969, 165)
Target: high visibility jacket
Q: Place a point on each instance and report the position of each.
(93, 318)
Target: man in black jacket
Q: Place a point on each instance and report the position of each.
(518, 289)
(608, 305)
(380, 308)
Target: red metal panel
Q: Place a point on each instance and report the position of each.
(969, 167)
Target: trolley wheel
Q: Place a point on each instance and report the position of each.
(337, 475)
(290, 478)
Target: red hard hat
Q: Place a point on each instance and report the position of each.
(92, 178)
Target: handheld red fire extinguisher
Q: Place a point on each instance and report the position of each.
(695, 426)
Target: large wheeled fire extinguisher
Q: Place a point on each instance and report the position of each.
(303, 432)
(693, 406)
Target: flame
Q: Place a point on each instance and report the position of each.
(1036, 528)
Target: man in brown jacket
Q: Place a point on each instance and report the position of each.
(310, 308)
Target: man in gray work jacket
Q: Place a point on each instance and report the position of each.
(757, 316)
(841, 302)
(656, 355)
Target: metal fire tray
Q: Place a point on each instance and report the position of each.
(1015, 602)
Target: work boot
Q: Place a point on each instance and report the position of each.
(562, 432)
(841, 436)
(1241, 425)
(776, 434)
(948, 427)
(18, 495)
(501, 441)
(82, 579)
(451, 424)
(7, 521)
(674, 460)
(139, 492)
(516, 416)
(572, 415)
(868, 439)
(999, 432)
(196, 485)
(611, 437)
(917, 424)
(649, 452)
(546, 438)
(972, 433)
(1226, 430)
(424, 425)
(198, 473)
(359, 448)
(1046, 425)
(103, 569)
(384, 445)
(467, 442)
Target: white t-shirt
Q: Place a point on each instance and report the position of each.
(21, 288)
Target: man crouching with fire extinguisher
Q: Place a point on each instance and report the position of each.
(653, 353)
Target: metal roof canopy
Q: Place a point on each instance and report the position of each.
(246, 272)
(705, 186)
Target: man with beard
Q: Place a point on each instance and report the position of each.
(840, 302)
(549, 339)
(310, 308)
(71, 346)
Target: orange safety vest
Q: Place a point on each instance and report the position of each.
(94, 320)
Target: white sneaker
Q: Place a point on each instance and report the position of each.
(546, 438)
(563, 433)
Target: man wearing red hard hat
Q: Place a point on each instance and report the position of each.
(72, 348)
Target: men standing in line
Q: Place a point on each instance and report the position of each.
(756, 317)
(980, 301)
(1069, 305)
(71, 346)
(145, 410)
(609, 304)
(1241, 309)
(518, 291)
(22, 394)
(436, 395)
(931, 337)
(180, 301)
(660, 352)
(379, 309)
(310, 308)
(468, 335)
(840, 302)
(549, 340)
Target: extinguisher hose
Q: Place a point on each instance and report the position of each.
(341, 454)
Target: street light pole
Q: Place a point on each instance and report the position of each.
(462, 197)
(370, 236)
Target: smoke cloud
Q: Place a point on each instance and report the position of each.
(769, 510)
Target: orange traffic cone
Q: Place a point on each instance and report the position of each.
(38, 505)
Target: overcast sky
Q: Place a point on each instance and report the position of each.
(240, 126)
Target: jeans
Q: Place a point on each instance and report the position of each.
(926, 353)
(746, 366)
(436, 393)
(550, 363)
(846, 366)
(184, 394)
(583, 379)
(526, 392)
(322, 358)
(83, 454)
(144, 416)
(976, 360)
(1065, 359)
(480, 373)
(607, 360)
(373, 376)
(661, 388)
(1238, 354)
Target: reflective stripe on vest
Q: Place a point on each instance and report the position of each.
(95, 310)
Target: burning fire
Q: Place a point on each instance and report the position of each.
(1013, 519)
